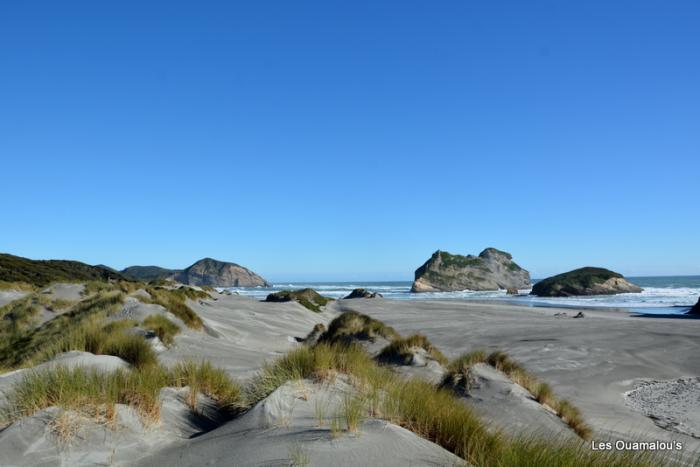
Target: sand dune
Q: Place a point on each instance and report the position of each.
(592, 361)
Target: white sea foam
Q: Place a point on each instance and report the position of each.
(664, 297)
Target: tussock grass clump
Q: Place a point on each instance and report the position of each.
(353, 411)
(457, 376)
(321, 361)
(204, 378)
(400, 350)
(174, 300)
(353, 325)
(162, 327)
(108, 339)
(308, 298)
(93, 393)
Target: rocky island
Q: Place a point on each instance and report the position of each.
(215, 273)
(362, 293)
(206, 271)
(584, 281)
(491, 270)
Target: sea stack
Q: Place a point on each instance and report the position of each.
(584, 281)
(491, 270)
(215, 273)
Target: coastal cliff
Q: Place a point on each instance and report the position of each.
(491, 270)
(584, 281)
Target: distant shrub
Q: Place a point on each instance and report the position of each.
(308, 298)
(353, 325)
(400, 350)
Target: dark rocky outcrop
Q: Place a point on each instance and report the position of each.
(308, 298)
(696, 309)
(491, 270)
(362, 293)
(584, 281)
(149, 273)
(215, 273)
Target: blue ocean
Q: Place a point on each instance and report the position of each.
(661, 295)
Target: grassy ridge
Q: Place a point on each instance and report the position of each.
(43, 272)
(175, 301)
(22, 347)
(457, 376)
(433, 413)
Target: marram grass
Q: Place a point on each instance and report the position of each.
(458, 374)
(93, 393)
(433, 413)
(162, 327)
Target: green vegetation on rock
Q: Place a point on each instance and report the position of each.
(458, 261)
(583, 281)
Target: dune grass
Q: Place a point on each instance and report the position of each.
(93, 393)
(103, 339)
(457, 376)
(400, 350)
(18, 315)
(202, 377)
(353, 325)
(26, 346)
(162, 327)
(174, 300)
(433, 413)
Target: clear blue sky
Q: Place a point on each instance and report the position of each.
(337, 140)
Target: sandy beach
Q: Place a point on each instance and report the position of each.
(632, 377)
